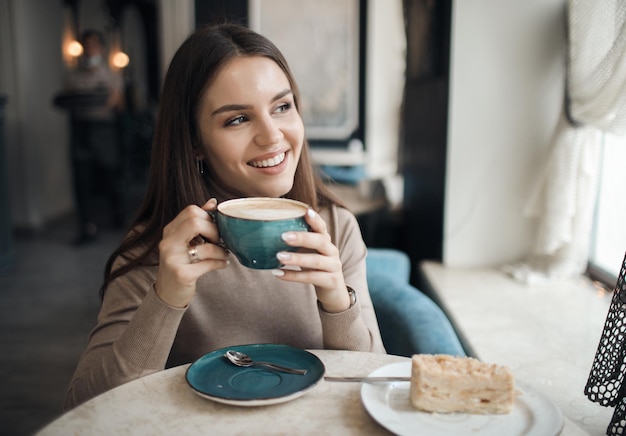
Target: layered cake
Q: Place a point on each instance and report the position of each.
(447, 384)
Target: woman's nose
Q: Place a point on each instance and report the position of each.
(268, 133)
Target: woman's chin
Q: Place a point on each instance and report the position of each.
(274, 192)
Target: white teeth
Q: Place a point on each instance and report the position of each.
(266, 163)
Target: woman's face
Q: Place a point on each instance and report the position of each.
(250, 129)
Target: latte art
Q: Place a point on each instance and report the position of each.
(264, 209)
(266, 214)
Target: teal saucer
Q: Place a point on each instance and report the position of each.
(215, 378)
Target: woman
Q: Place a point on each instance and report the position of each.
(228, 127)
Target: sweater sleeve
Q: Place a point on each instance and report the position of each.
(132, 338)
(356, 328)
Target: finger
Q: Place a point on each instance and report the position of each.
(211, 204)
(182, 270)
(190, 223)
(197, 270)
(196, 231)
(319, 242)
(211, 207)
(310, 261)
(322, 281)
(317, 239)
(180, 220)
(176, 252)
(209, 251)
(176, 284)
(318, 225)
(202, 228)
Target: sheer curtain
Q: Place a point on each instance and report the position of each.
(564, 198)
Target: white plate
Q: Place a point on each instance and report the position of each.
(533, 414)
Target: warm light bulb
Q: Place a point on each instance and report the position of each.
(120, 60)
(75, 49)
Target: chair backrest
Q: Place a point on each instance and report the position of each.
(409, 321)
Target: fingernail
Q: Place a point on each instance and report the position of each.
(278, 272)
(288, 236)
(310, 213)
(283, 256)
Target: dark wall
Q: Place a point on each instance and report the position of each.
(6, 231)
(212, 11)
(425, 119)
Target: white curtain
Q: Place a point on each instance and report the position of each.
(564, 198)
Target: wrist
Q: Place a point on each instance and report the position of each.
(178, 304)
(346, 299)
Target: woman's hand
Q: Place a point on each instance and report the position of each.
(320, 264)
(192, 229)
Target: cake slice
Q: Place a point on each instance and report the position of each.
(447, 384)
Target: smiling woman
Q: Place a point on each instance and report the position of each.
(228, 127)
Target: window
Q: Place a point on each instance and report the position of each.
(608, 241)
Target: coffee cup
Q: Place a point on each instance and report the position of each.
(251, 228)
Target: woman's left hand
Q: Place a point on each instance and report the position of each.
(319, 262)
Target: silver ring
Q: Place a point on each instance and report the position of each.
(193, 255)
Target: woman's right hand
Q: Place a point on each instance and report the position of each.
(177, 275)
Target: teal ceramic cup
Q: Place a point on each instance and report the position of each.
(251, 228)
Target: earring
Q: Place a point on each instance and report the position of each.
(200, 165)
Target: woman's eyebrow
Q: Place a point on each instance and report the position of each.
(230, 108)
(240, 107)
(282, 94)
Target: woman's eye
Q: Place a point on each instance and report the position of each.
(236, 121)
(283, 107)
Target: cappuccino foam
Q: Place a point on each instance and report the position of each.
(263, 210)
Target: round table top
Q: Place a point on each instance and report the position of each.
(163, 403)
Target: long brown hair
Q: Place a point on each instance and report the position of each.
(174, 181)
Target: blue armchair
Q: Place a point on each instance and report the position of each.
(409, 321)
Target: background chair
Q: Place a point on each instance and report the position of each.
(409, 321)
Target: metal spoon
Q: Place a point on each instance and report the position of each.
(240, 359)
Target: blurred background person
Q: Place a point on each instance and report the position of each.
(97, 95)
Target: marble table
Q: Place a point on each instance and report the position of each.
(546, 333)
(162, 403)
